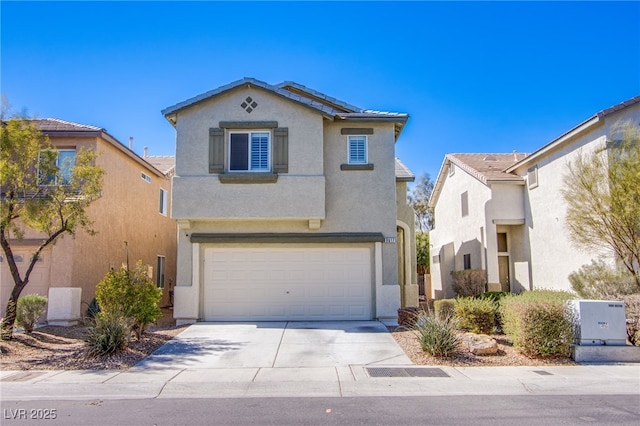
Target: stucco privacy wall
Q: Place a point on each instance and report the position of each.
(553, 256)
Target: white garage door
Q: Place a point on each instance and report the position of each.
(273, 284)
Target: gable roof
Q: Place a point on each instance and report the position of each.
(165, 163)
(585, 125)
(329, 107)
(403, 174)
(55, 127)
(487, 168)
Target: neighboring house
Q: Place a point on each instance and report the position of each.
(504, 213)
(134, 208)
(289, 205)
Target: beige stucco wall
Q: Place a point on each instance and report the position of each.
(315, 187)
(128, 210)
(454, 235)
(553, 257)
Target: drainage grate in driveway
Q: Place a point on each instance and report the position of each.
(543, 373)
(405, 372)
(22, 377)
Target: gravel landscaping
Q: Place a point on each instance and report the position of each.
(62, 348)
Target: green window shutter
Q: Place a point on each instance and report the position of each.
(281, 150)
(216, 150)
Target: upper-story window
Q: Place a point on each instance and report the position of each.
(249, 151)
(357, 149)
(163, 202)
(56, 166)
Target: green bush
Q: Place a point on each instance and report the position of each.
(93, 308)
(30, 309)
(538, 322)
(632, 308)
(107, 335)
(130, 294)
(469, 282)
(437, 336)
(444, 308)
(475, 314)
(494, 296)
(600, 280)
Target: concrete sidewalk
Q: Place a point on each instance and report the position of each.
(341, 359)
(347, 381)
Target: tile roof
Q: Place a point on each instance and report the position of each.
(249, 81)
(164, 163)
(328, 106)
(403, 174)
(57, 125)
(488, 167)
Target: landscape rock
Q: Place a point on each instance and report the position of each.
(480, 344)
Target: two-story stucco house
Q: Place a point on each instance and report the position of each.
(505, 214)
(290, 206)
(133, 208)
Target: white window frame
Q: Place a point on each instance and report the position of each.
(163, 201)
(161, 262)
(360, 138)
(55, 178)
(250, 169)
(145, 177)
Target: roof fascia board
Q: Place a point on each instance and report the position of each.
(437, 187)
(555, 143)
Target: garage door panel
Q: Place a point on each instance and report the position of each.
(287, 284)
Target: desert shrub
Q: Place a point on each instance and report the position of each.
(470, 282)
(444, 308)
(632, 308)
(30, 309)
(437, 336)
(130, 294)
(108, 334)
(93, 309)
(476, 315)
(599, 280)
(538, 322)
(495, 297)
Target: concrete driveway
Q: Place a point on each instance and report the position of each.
(278, 345)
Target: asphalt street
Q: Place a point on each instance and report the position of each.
(406, 411)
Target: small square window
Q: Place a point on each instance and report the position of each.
(357, 149)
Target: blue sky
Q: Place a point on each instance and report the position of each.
(474, 76)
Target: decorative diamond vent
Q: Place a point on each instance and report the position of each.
(249, 104)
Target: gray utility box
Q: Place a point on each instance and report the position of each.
(599, 322)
